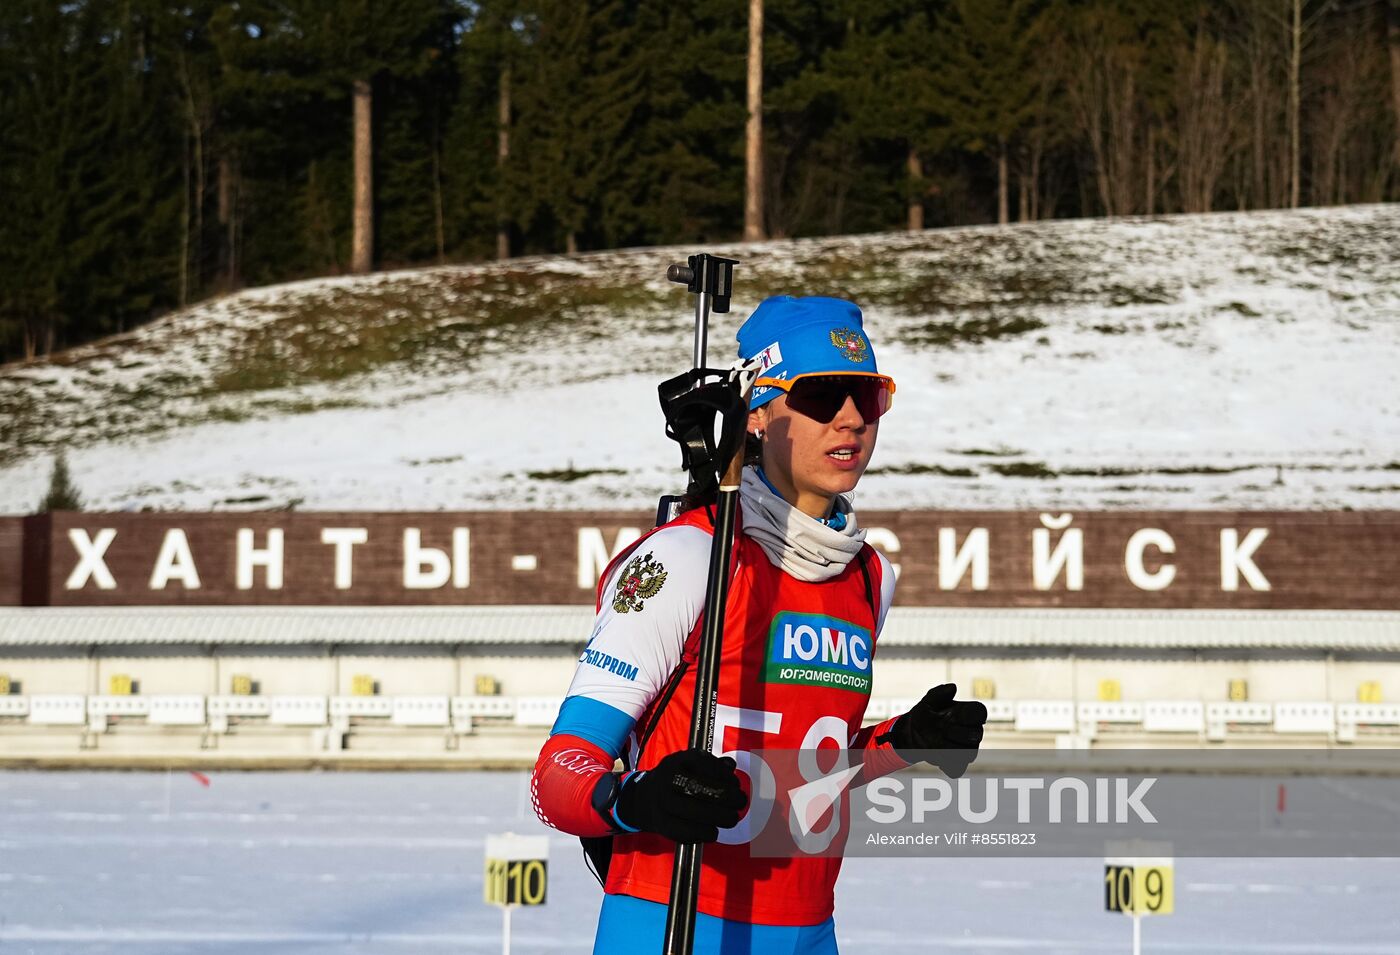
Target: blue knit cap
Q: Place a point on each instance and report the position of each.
(801, 336)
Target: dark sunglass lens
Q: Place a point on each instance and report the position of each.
(870, 397)
(822, 397)
(817, 398)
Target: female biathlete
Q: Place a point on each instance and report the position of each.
(806, 604)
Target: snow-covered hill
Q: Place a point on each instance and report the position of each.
(1220, 361)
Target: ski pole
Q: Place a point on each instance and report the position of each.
(685, 873)
(710, 279)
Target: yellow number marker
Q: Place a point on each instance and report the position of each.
(1137, 881)
(517, 873)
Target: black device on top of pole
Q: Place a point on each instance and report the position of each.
(711, 280)
(715, 464)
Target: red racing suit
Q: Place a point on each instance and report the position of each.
(795, 673)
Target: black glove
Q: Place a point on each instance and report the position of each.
(938, 722)
(689, 796)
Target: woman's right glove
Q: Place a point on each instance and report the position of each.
(688, 797)
(941, 729)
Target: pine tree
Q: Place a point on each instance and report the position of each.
(684, 179)
(576, 98)
(882, 76)
(411, 162)
(469, 168)
(296, 58)
(63, 494)
(985, 80)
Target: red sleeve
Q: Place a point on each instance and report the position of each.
(566, 775)
(878, 759)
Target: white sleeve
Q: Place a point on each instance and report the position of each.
(887, 582)
(649, 607)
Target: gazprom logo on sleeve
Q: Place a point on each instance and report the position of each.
(817, 650)
(606, 661)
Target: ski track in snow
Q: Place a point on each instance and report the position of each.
(1228, 361)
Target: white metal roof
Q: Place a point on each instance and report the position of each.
(293, 625)
(1377, 631)
(1355, 630)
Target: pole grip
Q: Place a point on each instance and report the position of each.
(734, 471)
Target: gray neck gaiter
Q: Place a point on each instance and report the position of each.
(802, 546)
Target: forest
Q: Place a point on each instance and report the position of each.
(153, 154)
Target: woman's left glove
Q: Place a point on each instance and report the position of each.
(952, 728)
(688, 797)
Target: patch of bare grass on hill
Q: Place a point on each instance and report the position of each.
(443, 325)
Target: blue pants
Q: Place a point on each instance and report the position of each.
(628, 925)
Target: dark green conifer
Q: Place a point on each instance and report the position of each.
(63, 493)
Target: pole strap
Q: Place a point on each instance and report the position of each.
(692, 403)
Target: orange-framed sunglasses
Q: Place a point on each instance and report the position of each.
(820, 395)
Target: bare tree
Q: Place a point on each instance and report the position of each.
(362, 240)
(439, 229)
(1003, 185)
(1274, 37)
(753, 131)
(1101, 89)
(1204, 126)
(1295, 62)
(198, 120)
(502, 155)
(1393, 37)
(227, 213)
(184, 282)
(1300, 34)
(1333, 120)
(1044, 127)
(1263, 47)
(1350, 157)
(915, 168)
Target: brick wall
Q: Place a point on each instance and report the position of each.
(1177, 559)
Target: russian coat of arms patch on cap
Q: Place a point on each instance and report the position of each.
(641, 579)
(851, 343)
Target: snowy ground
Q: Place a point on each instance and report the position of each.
(391, 863)
(1219, 361)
